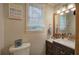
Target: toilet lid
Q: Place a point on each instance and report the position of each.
(23, 46)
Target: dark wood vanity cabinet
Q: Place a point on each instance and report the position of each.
(49, 48)
(58, 49)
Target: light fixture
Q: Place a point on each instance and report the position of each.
(70, 6)
(73, 9)
(67, 11)
(58, 11)
(61, 13)
(63, 9)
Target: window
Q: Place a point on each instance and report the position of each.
(35, 21)
(62, 22)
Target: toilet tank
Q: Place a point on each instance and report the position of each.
(24, 49)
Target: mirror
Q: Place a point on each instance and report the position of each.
(70, 22)
(65, 23)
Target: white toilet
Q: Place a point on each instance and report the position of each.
(24, 49)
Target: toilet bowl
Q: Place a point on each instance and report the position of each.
(24, 49)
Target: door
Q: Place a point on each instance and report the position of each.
(77, 29)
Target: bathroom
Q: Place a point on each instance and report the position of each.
(21, 26)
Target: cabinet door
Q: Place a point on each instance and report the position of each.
(48, 48)
(59, 49)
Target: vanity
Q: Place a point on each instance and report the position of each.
(60, 47)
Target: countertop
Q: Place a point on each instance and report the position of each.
(65, 42)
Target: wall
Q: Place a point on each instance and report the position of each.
(14, 29)
(37, 39)
(1, 28)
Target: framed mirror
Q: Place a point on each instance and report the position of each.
(64, 23)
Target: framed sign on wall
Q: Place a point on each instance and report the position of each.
(15, 11)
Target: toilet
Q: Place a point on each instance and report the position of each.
(24, 49)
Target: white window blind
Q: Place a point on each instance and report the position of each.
(35, 21)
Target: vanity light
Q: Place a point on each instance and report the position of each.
(61, 13)
(64, 9)
(70, 6)
(58, 11)
(73, 9)
(67, 11)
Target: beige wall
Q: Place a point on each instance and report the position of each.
(37, 39)
(14, 29)
(1, 28)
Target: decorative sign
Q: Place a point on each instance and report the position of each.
(15, 11)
